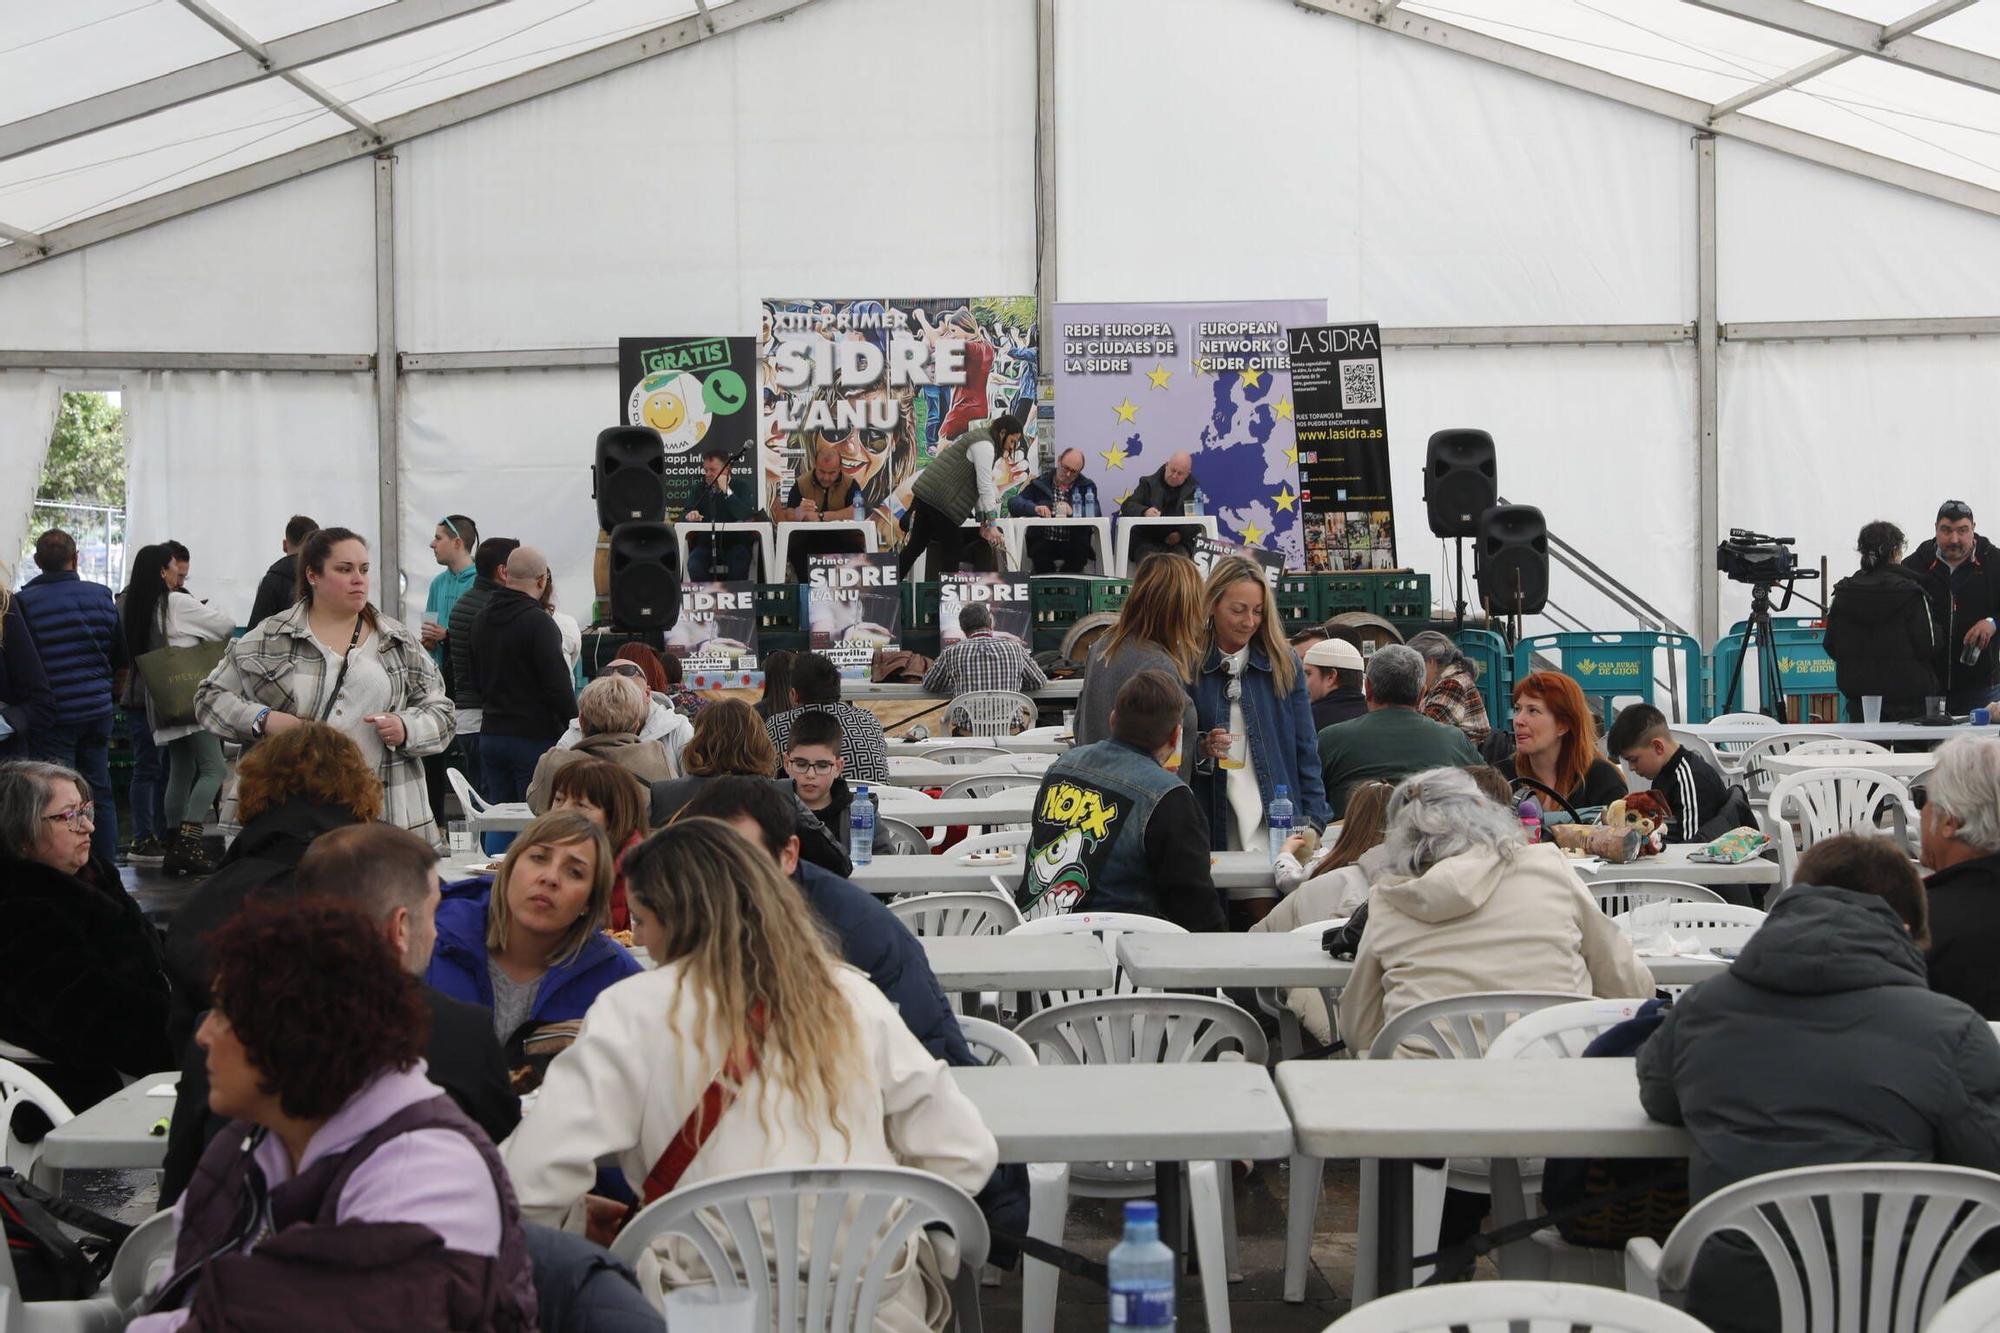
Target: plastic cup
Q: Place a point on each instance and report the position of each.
(1238, 753)
(1069, 721)
(1871, 708)
(461, 835)
(1934, 710)
(712, 1310)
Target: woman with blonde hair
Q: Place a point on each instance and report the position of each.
(1159, 628)
(1254, 714)
(751, 1038)
(530, 946)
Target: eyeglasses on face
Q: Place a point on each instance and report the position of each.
(810, 767)
(75, 815)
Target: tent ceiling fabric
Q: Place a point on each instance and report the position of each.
(1713, 51)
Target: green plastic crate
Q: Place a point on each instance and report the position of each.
(1108, 594)
(1341, 593)
(780, 607)
(1402, 596)
(1059, 599)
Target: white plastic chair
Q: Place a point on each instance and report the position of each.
(1819, 1228)
(1109, 928)
(1758, 780)
(1725, 924)
(1515, 1307)
(1976, 1309)
(982, 785)
(957, 912)
(993, 1045)
(1307, 1173)
(1615, 896)
(1455, 1028)
(151, 1240)
(20, 1087)
(1806, 807)
(1151, 1029)
(469, 800)
(905, 839)
(1701, 746)
(835, 1232)
(97, 1314)
(1839, 745)
(991, 713)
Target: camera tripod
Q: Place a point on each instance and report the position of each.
(1757, 632)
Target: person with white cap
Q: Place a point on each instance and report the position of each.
(1333, 682)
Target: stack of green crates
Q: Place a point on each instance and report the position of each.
(1344, 592)
(1298, 601)
(1402, 596)
(1058, 601)
(780, 619)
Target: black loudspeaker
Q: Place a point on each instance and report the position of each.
(1513, 560)
(1460, 482)
(629, 477)
(645, 576)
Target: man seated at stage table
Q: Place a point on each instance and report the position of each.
(1061, 492)
(822, 493)
(1168, 491)
(709, 499)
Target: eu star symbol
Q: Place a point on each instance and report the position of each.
(1253, 378)
(1284, 408)
(1113, 457)
(1159, 375)
(1285, 498)
(1123, 498)
(1127, 410)
(1252, 534)
(1292, 456)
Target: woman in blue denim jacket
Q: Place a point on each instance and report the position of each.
(1251, 684)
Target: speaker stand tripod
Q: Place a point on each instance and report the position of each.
(1757, 632)
(1458, 616)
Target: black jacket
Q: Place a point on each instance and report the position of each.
(276, 591)
(1957, 604)
(1964, 960)
(1152, 492)
(463, 1057)
(817, 843)
(1821, 1045)
(458, 641)
(264, 855)
(80, 979)
(517, 663)
(26, 700)
(1882, 641)
(1337, 706)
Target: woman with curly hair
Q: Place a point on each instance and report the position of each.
(820, 1068)
(530, 946)
(292, 788)
(346, 1170)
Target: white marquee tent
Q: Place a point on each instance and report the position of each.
(1694, 264)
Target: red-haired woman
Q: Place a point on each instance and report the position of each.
(1555, 743)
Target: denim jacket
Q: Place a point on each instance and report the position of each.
(1284, 745)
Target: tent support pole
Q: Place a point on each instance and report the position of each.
(1708, 453)
(388, 461)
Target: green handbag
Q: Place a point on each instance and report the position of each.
(172, 675)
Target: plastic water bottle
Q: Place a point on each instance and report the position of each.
(1280, 820)
(861, 828)
(1199, 504)
(1142, 1274)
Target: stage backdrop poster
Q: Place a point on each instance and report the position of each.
(1006, 595)
(853, 608)
(888, 381)
(1207, 551)
(694, 391)
(1138, 383)
(717, 630)
(1343, 442)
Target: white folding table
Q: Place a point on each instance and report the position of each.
(117, 1133)
(916, 771)
(1241, 874)
(1885, 733)
(854, 691)
(1016, 805)
(502, 817)
(781, 566)
(900, 748)
(1016, 531)
(1403, 1111)
(760, 530)
(1673, 863)
(1018, 962)
(1128, 526)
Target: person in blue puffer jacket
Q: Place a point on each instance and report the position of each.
(530, 946)
(75, 625)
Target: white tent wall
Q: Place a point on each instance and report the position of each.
(1824, 437)
(290, 269)
(510, 449)
(219, 461)
(28, 403)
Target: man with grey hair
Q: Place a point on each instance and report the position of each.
(1166, 493)
(1061, 492)
(983, 659)
(1961, 849)
(611, 711)
(1451, 689)
(523, 679)
(1392, 740)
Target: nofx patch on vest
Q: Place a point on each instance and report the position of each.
(1077, 822)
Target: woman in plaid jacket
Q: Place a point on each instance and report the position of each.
(333, 658)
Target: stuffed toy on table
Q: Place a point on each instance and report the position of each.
(1630, 828)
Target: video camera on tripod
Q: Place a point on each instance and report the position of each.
(1764, 562)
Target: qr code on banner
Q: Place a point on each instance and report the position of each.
(1360, 384)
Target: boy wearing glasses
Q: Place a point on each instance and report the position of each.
(812, 761)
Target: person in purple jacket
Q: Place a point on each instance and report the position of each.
(349, 1183)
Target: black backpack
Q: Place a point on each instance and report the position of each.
(48, 1264)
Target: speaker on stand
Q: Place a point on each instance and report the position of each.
(1513, 562)
(628, 477)
(1461, 482)
(645, 577)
